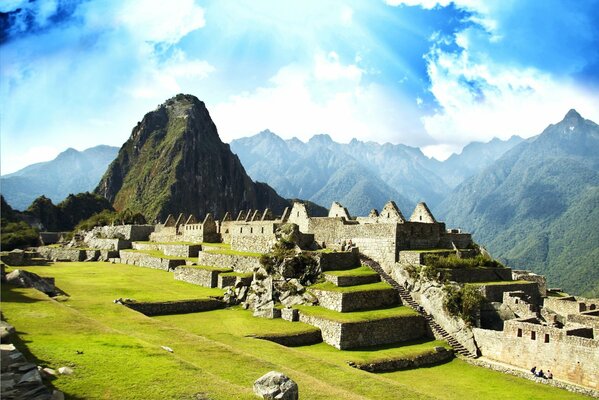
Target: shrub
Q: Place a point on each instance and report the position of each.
(463, 302)
(17, 235)
(453, 261)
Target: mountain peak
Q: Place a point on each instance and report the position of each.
(322, 138)
(572, 114)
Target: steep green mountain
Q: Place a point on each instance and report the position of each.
(71, 171)
(174, 162)
(537, 206)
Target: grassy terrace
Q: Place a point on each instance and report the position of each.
(122, 358)
(357, 316)
(360, 271)
(351, 289)
(159, 254)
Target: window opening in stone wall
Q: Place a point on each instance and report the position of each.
(298, 213)
(592, 307)
(262, 230)
(420, 218)
(533, 335)
(251, 230)
(240, 230)
(546, 338)
(519, 332)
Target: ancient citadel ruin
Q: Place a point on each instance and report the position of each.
(521, 323)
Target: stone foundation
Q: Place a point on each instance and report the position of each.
(343, 281)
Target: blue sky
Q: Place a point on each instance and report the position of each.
(432, 74)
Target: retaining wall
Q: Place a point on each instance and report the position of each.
(198, 276)
(429, 358)
(343, 281)
(148, 261)
(350, 335)
(298, 339)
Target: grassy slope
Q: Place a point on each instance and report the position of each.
(351, 289)
(122, 357)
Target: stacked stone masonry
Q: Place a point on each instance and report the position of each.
(356, 300)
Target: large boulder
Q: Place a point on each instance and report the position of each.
(26, 279)
(275, 385)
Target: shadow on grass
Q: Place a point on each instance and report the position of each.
(392, 345)
(13, 295)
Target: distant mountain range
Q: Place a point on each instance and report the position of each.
(72, 171)
(360, 175)
(537, 207)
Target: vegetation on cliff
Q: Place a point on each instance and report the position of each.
(174, 162)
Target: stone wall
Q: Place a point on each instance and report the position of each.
(356, 301)
(523, 344)
(494, 292)
(198, 276)
(175, 307)
(587, 318)
(255, 237)
(149, 261)
(570, 305)
(338, 260)
(520, 275)
(173, 250)
(236, 262)
(369, 333)
(108, 244)
(130, 233)
(62, 254)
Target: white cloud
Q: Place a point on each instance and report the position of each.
(165, 21)
(324, 97)
(481, 99)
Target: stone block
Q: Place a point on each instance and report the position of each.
(290, 314)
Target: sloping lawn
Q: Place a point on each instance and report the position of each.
(122, 356)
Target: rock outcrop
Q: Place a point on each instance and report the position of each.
(26, 279)
(275, 385)
(174, 162)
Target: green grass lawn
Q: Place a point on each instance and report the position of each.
(350, 289)
(122, 357)
(360, 271)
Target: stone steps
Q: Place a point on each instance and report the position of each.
(409, 301)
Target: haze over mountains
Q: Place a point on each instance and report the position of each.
(72, 171)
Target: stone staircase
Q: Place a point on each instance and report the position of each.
(407, 299)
